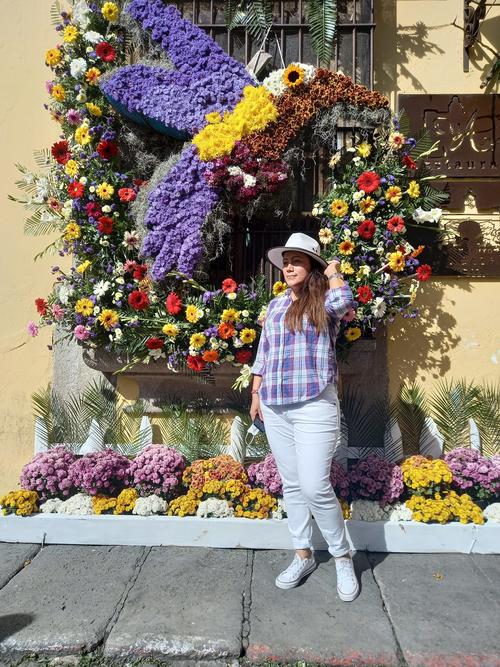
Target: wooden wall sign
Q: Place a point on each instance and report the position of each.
(468, 130)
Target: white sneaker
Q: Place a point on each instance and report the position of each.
(347, 582)
(297, 569)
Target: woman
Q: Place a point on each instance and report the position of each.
(294, 392)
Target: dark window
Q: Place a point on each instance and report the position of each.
(353, 54)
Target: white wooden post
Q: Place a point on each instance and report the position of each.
(41, 436)
(393, 441)
(145, 432)
(95, 440)
(475, 440)
(431, 440)
(237, 447)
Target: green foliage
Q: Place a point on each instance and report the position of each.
(410, 410)
(322, 16)
(256, 16)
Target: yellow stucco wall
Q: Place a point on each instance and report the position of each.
(417, 50)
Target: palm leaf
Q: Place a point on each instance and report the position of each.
(365, 426)
(256, 17)
(487, 417)
(51, 249)
(404, 123)
(55, 13)
(42, 157)
(411, 411)
(35, 227)
(451, 405)
(322, 17)
(433, 198)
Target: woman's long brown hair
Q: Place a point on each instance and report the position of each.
(310, 302)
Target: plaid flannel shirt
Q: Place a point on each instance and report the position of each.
(298, 366)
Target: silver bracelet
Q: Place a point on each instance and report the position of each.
(335, 275)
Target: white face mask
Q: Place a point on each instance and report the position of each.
(253, 431)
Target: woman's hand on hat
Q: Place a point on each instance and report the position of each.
(333, 267)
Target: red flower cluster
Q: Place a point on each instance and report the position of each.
(41, 306)
(368, 181)
(92, 209)
(364, 294)
(60, 152)
(229, 286)
(107, 149)
(424, 272)
(409, 162)
(396, 224)
(138, 300)
(367, 229)
(154, 343)
(127, 194)
(75, 189)
(105, 225)
(105, 52)
(195, 363)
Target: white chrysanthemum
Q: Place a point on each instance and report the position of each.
(51, 505)
(80, 503)
(214, 507)
(274, 82)
(492, 513)
(65, 291)
(280, 512)
(78, 67)
(101, 287)
(149, 505)
(81, 14)
(367, 510)
(379, 307)
(93, 37)
(399, 512)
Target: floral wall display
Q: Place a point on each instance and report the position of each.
(136, 227)
(463, 487)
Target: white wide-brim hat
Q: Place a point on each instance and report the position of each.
(297, 241)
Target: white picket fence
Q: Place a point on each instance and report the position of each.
(431, 441)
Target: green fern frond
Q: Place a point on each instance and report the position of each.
(322, 18)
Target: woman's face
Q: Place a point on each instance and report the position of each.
(296, 266)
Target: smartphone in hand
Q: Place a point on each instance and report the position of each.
(259, 424)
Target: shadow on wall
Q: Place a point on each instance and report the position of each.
(396, 45)
(434, 334)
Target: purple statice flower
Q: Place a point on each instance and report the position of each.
(157, 469)
(474, 473)
(104, 472)
(47, 473)
(374, 478)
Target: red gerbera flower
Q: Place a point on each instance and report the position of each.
(140, 271)
(154, 343)
(105, 225)
(364, 294)
(368, 181)
(243, 356)
(195, 363)
(173, 304)
(105, 52)
(92, 209)
(60, 152)
(367, 229)
(229, 286)
(138, 300)
(75, 189)
(395, 224)
(107, 149)
(424, 272)
(409, 162)
(41, 306)
(127, 194)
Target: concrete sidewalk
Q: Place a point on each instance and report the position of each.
(160, 605)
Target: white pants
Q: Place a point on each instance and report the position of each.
(302, 437)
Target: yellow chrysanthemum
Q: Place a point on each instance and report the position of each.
(325, 235)
(53, 57)
(108, 318)
(58, 93)
(230, 315)
(104, 190)
(248, 335)
(197, 340)
(293, 76)
(110, 12)
(393, 194)
(339, 208)
(71, 167)
(92, 75)
(81, 268)
(352, 333)
(72, 231)
(84, 307)
(170, 330)
(397, 261)
(70, 33)
(367, 204)
(93, 109)
(413, 189)
(252, 113)
(193, 313)
(346, 268)
(346, 247)
(364, 149)
(213, 117)
(82, 135)
(279, 287)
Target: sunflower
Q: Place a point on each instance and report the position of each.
(108, 318)
(352, 333)
(58, 92)
(346, 247)
(93, 109)
(170, 330)
(293, 76)
(71, 167)
(53, 57)
(82, 135)
(397, 261)
(81, 268)
(279, 288)
(339, 208)
(367, 205)
(104, 190)
(70, 33)
(92, 74)
(197, 340)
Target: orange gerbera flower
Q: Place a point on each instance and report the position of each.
(226, 330)
(210, 355)
(346, 247)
